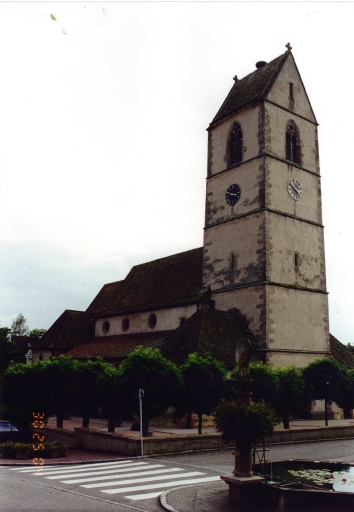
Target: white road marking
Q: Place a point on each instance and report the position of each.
(124, 476)
(60, 474)
(116, 474)
(160, 485)
(80, 467)
(139, 480)
(145, 496)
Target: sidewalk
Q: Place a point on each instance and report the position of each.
(82, 456)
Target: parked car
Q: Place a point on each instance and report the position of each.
(8, 432)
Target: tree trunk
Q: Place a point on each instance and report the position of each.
(112, 421)
(285, 416)
(86, 419)
(200, 423)
(326, 412)
(60, 419)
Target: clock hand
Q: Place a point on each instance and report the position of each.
(296, 190)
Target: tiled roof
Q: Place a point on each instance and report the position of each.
(164, 282)
(341, 353)
(214, 332)
(22, 342)
(116, 348)
(252, 87)
(70, 329)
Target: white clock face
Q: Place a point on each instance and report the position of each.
(294, 189)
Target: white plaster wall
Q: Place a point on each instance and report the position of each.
(297, 320)
(285, 236)
(277, 196)
(245, 238)
(45, 354)
(249, 177)
(167, 319)
(276, 121)
(248, 119)
(280, 92)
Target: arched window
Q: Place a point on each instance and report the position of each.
(292, 141)
(235, 145)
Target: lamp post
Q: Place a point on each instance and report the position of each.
(141, 396)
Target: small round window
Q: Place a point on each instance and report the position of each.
(106, 326)
(125, 324)
(152, 321)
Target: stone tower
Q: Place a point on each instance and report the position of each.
(263, 238)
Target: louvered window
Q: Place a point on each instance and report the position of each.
(236, 145)
(292, 150)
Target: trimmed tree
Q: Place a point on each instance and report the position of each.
(324, 379)
(204, 383)
(266, 384)
(113, 396)
(345, 398)
(90, 377)
(59, 384)
(22, 393)
(147, 369)
(291, 391)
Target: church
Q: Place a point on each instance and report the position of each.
(260, 275)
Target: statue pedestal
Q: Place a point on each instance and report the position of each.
(243, 491)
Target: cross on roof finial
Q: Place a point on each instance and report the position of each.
(235, 78)
(288, 47)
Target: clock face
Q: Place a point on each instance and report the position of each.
(233, 194)
(294, 189)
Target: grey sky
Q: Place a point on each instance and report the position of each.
(104, 108)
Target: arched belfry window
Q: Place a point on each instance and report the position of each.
(235, 145)
(292, 142)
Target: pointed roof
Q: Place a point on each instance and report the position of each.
(173, 280)
(341, 353)
(116, 348)
(70, 329)
(252, 87)
(207, 332)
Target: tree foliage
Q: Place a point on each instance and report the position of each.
(324, 379)
(8, 351)
(37, 332)
(147, 369)
(19, 326)
(203, 385)
(89, 381)
(242, 423)
(59, 386)
(290, 392)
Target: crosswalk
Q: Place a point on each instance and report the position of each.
(134, 479)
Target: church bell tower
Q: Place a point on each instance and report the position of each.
(263, 237)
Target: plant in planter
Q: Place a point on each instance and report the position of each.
(49, 449)
(244, 424)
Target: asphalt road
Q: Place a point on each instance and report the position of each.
(136, 485)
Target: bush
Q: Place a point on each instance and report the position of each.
(242, 423)
(51, 449)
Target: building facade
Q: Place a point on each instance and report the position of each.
(260, 275)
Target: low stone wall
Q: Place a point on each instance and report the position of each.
(123, 444)
(311, 434)
(87, 439)
(58, 434)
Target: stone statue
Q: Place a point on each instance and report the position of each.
(243, 357)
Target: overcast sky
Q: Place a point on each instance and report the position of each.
(104, 108)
